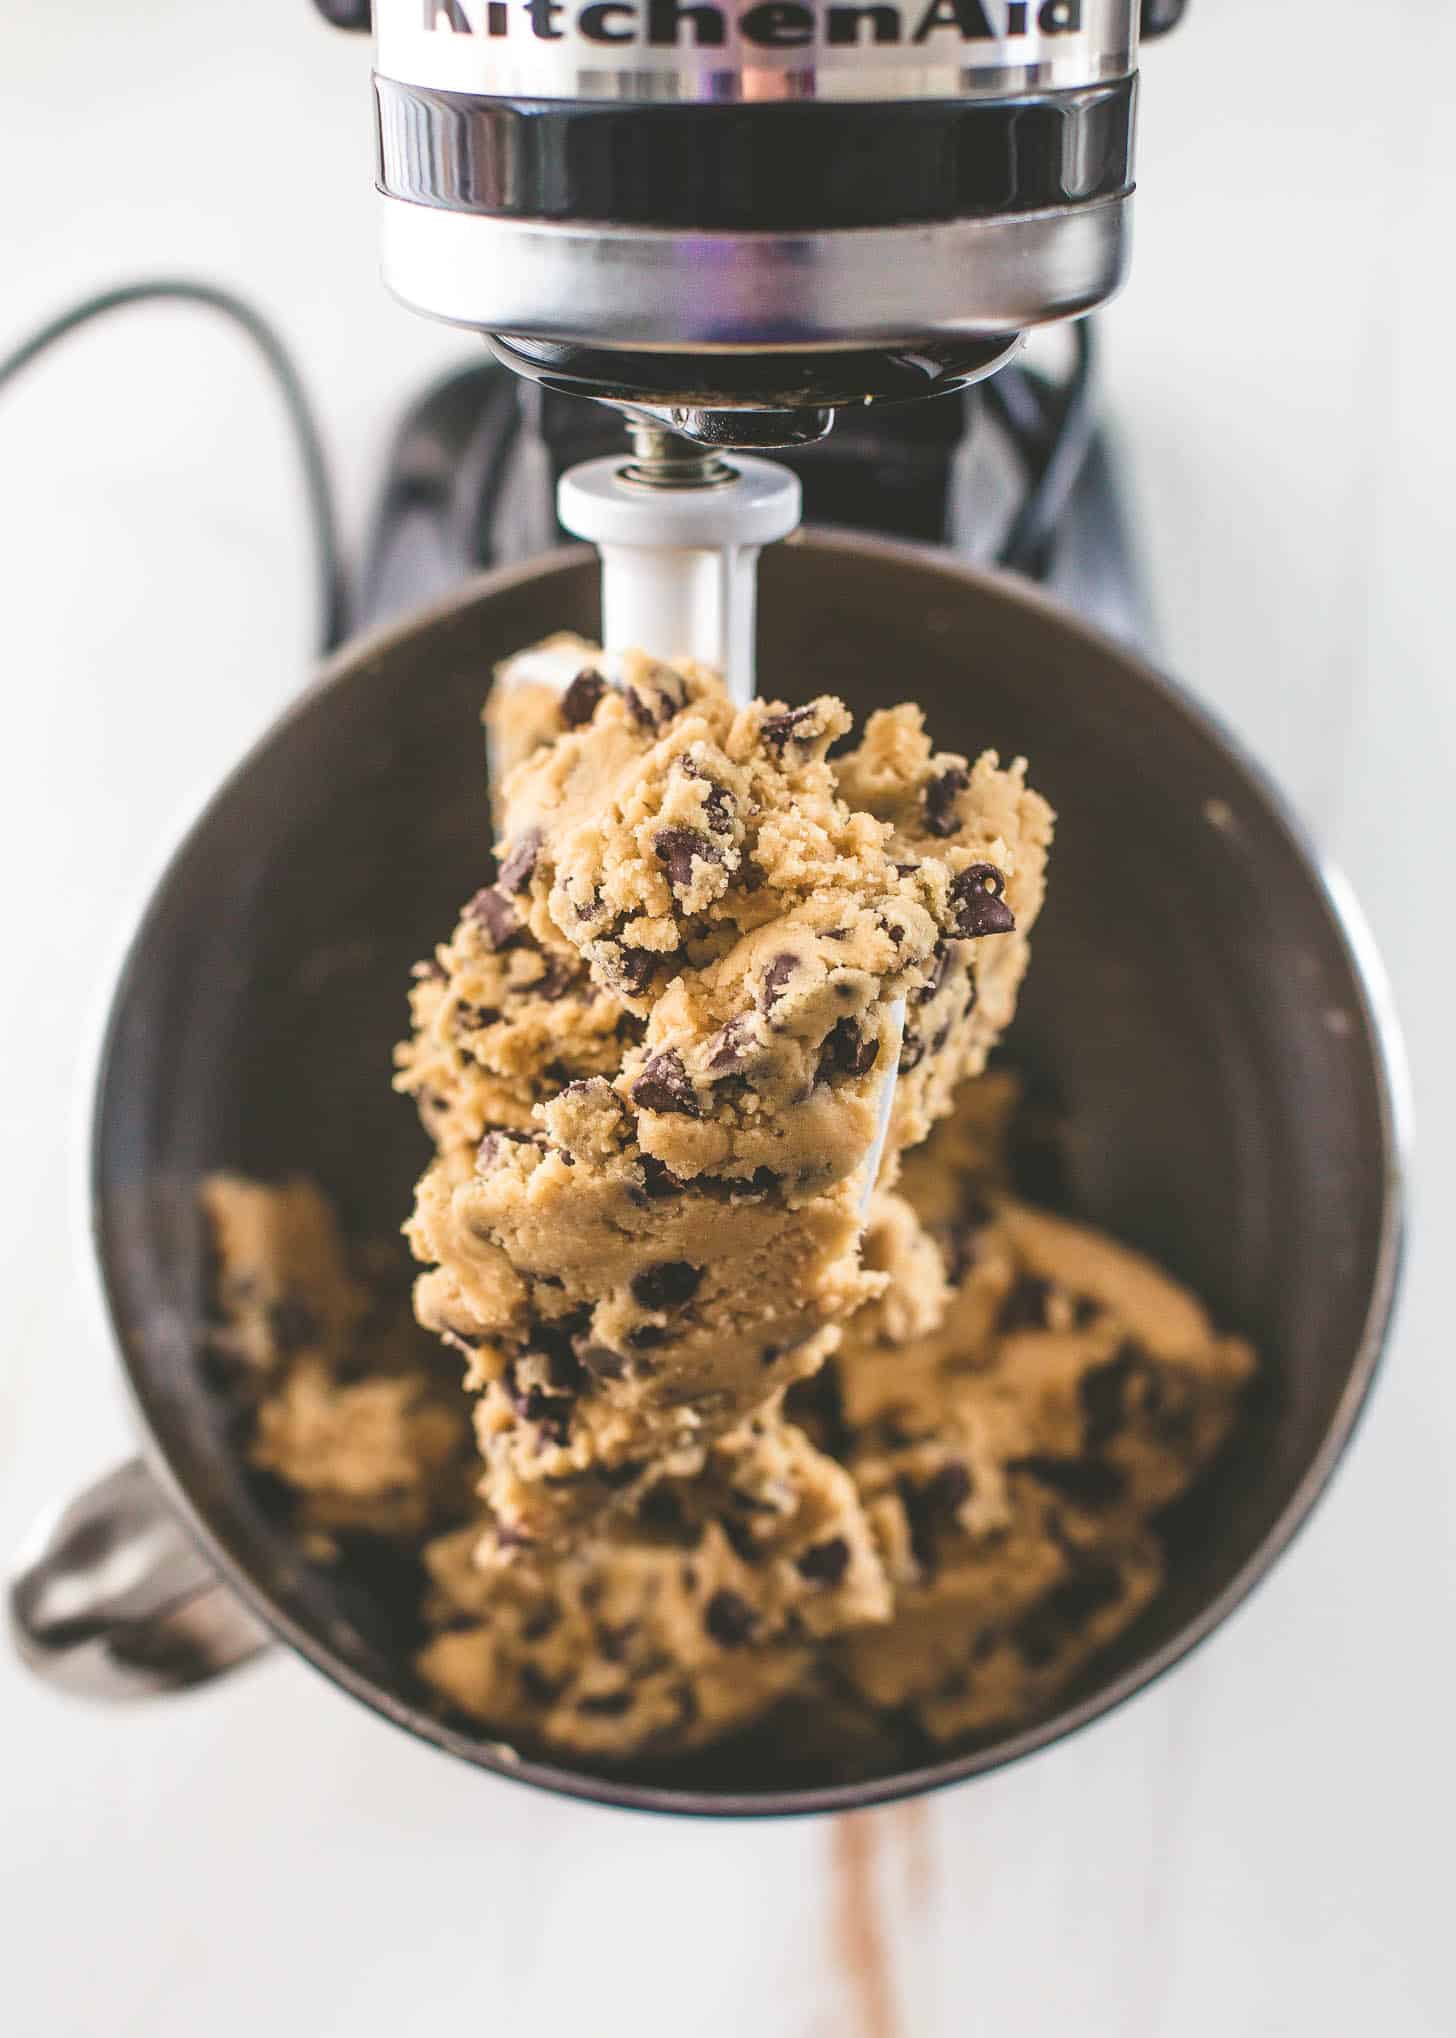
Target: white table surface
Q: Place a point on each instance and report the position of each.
(1260, 1845)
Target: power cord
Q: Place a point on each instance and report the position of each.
(323, 519)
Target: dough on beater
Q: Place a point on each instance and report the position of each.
(650, 1059)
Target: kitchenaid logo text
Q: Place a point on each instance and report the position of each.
(768, 24)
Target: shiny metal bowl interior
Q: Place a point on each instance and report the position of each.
(1198, 1005)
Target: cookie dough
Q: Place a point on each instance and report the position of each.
(344, 1400)
(928, 1539)
(1011, 1457)
(650, 1059)
(672, 1627)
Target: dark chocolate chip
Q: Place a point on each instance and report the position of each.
(847, 1052)
(605, 1705)
(1025, 1306)
(1085, 1311)
(667, 1285)
(646, 1336)
(520, 861)
(664, 1086)
(979, 907)
(679, 848)
(639, 708)
(538, 1625)
(612, 1641)
(1086, 1482)
(293, 1325)
(912, 1052)
(939, 962)
(740, 1537)
(555, 980)
(771, 1354)
(825, 1563)
(538, 1687)
(729, 1619)
(615, 1477)
(581, 699)
(600, 1360)
(1044, 1632)
(495, 916)
(660, 1179)
(634, 968)
(1102, 1392)
(932, 1507)
(779, 730)
(728, 1049)
(661, 1508)
(940, 798)
(718, 803)
(777, 978)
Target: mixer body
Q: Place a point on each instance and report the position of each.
(741, 215)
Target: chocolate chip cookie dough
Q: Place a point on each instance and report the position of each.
(938, 1530)
(651, 1058)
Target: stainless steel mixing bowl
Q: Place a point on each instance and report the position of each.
(1203, 1003)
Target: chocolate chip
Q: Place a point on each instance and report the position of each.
(949, 1488)
(605, 1705)
(471, 1018)
(771, 1354)
(667, 1285)
(932, 1507)
(728, 1049)
(555, 980)
(660, 1179)
(640, 708)
(292, 1324)
(581, 699)
(912, 1052)
(661, 1508)
(729, 1619)
(1085, 1311)
(538, 1687)
(1025, 1306)
(634, 968)
(847, 1052)
(495, 916)
(939, 962)
(646, 1336)
(740, 1538)
(1086, 1482)
(980, 908)
(495, 1143)
(520, 861)
(779, 730)
(1041, 1634)
(664, 1086)
(825, 1563)
(626, 1473)
(777, 978)
(601, 1361)
(537, 1626)
(940, 798)
(612, 1641)
(679, 848)
(1102, 1393)
(534, 1404)
(719, 804)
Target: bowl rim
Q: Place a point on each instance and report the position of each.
(1381, 1033)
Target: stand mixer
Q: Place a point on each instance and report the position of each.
(732, 222)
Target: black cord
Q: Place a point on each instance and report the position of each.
(1057, 465)
(323, 521)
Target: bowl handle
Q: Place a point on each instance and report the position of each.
(113, 1600)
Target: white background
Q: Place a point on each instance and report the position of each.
(1261, 1845)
